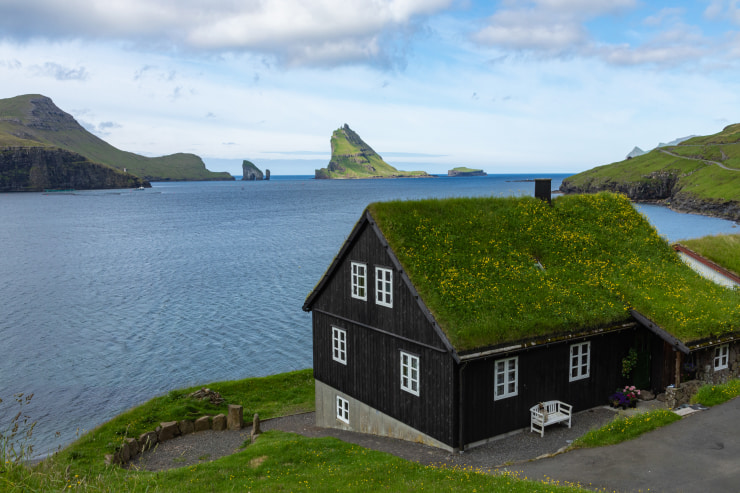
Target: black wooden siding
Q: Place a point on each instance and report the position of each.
(372, 375)
(375, 336)
(543, 375)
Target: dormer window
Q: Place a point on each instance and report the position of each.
(384, 286)
(359, 281)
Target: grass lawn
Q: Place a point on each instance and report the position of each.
(276, 462)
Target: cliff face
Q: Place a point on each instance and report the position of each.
(660, 186)
(250, 172)
(33, 169)
(34, 120)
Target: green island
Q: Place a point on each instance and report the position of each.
(277, 461)
(41, 146)
(465, 171)
(700, 175)
(351, 157)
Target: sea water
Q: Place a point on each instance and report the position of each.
(112, 297)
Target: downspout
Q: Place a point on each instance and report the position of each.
(461, 407)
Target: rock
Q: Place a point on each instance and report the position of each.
(186, 426)
(168, 431)
(124, 453)
(204, 393)
(646, 395)
(202, 424)
(235, 420)
(267, 174)
(250, 172)
(255, 427)
(147, 440)
(133, 446)
(112, 459)
(219, 422)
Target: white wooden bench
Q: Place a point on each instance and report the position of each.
(547, 413)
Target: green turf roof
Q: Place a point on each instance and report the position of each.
(476, 264)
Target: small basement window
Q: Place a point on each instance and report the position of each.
(359, 281)
(721, 357)
(384, 286)
(342, 409)
(506, 378)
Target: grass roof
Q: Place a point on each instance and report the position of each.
(497, 270)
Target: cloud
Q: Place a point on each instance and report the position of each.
(293, 32)
(723, 9)
(60, 72)
(101, 129)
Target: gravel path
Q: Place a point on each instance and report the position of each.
(206, 446)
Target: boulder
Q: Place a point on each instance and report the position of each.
(202, 424)
(168, 430)
(235, 419)
(186, 426)
(147, 440)
(219, 422)
(133, 447)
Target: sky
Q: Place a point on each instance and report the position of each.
(510, 86)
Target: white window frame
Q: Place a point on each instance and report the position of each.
(580, 361)
(342, 409)
(410, 373)
(339, 345)
(359, 280)
(508, 371)
(721, 357)
(384, 286)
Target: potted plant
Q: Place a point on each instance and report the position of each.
(626, 397)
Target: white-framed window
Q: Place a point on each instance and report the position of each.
(359, 281)
(506, 378)
(410, 373)
(580, 361)
(384, 286)
(342, 409)
(339, 345)
(721, 356)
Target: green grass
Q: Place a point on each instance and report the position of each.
(464, 169)
(276, 462)
(723, 250)
(14, 116)
(351, 157)
(474, 262)
(622, 429)
(711, 395)
(694, 179)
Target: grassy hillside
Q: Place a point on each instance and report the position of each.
(351, 157)
(277, 461)
(33, 121)
(701, 174)
(496, 270)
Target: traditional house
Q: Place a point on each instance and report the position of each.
(445, 321)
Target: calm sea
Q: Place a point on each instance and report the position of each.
(112, 297)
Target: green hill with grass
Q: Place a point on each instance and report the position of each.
(34, 121)
(351, 157)
(699, 175)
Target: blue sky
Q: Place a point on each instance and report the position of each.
(510, 86)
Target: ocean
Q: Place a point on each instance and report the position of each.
(113, 297)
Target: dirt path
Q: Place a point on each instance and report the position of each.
(698, 159)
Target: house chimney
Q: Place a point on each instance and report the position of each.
(542, 188)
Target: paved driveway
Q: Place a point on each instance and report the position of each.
(699, 453)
